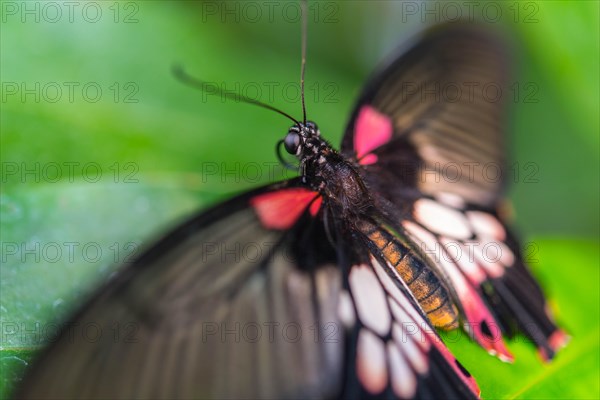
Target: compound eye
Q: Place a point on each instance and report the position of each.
(291, 142)
(311, 125)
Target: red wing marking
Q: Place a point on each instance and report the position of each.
(282, 208)
(372, 130)
(557, 340)
(315, 206)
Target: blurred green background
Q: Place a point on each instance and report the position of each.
(102, 149)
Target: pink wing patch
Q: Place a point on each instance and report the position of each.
(282, 208)
(556, 341)
(372, 130)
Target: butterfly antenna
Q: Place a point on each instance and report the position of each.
(213, 89)
(303, 64)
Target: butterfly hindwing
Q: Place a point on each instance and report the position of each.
(394, 352)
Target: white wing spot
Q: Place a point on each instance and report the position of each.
(465, 261)
(408, 344)
(507, 257)
(370, 300)
(485, 224)
(441, 219)
(403, 380)
(451, 199)
(486, 255)
(370, 362)
(346, 310)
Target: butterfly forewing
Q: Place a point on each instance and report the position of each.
(445, 99)
(221, 308)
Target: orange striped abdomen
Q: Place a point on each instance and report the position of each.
(424, 284)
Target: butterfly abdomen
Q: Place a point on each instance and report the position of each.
(427, 288)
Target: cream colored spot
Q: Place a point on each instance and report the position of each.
(441, 219)
(408, 344)
(460, 253)
(370, 362)
(403, 380)
(451, 199)
(370, 299)
(346, 310)
(485, 224)
(487, 256)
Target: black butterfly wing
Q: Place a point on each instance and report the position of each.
(223, 307)
(444, 101)
(428, 132)
(251, 300)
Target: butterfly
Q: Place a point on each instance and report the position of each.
(333, 283)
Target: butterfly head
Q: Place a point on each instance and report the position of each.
(301, 138)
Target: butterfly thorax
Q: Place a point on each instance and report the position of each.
(325, 170)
